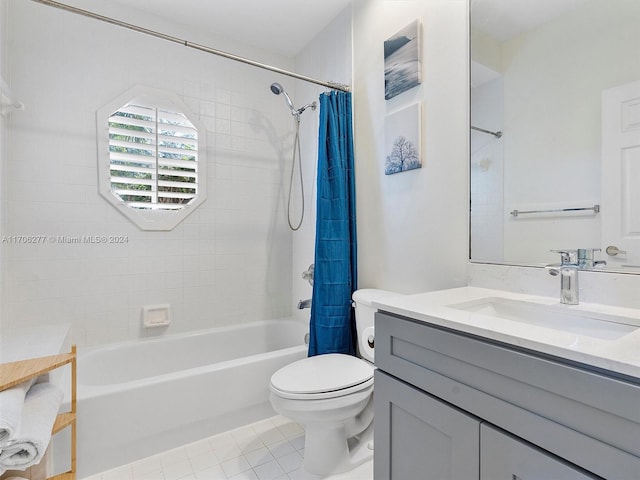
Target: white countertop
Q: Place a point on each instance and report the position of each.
(620, 354)
(31, 342)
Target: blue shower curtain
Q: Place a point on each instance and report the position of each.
(332, 325)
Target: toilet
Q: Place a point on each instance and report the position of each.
(331, 396)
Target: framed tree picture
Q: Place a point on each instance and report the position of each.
(402, 140)
(402, 69)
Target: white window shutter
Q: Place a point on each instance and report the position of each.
(153, 157)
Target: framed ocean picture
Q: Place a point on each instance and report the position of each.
(402, 140)
(402, 66)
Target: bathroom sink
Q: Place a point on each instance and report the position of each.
(560, 318)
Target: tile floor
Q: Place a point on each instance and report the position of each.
(267, 450)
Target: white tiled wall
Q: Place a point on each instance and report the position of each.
(229, 261)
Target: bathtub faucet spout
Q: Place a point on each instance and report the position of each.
(304, 304)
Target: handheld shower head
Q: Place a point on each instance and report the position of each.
(277, 89)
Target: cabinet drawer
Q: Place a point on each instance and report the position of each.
(503, 457)
(561, 408)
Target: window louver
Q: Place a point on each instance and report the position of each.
(153, 156)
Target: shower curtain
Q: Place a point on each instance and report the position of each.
(332, 325)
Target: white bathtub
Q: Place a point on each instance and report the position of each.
(138, 398)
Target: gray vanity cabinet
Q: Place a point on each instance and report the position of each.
(418, 437)
(455, 406)
(503, 457)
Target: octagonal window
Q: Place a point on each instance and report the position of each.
(151, 157)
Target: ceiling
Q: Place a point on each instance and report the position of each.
(280, 26)
(504, 19)
(286, 26)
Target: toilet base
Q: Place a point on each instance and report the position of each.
(327, 450)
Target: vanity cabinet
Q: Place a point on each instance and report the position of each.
(504, 457)
(453, 405)
(418, 436)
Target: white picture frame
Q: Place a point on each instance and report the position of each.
(402, 140)
(402, 60)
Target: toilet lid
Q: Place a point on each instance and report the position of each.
(322, 373)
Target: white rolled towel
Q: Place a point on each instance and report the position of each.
(11, 404)
(41, 405)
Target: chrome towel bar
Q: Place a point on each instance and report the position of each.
(489, 132)
(595, 208)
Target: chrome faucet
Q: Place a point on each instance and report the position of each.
(570, 262)
(568, 271)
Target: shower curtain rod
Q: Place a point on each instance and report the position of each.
(186, 43)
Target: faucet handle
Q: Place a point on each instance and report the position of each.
(585, 257)
(568, 257)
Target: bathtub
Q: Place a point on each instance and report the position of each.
(139, 398)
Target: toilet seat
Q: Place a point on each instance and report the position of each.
(322, 376)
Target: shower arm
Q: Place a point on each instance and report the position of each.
(312, 106)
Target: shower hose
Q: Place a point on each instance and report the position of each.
(296, 149)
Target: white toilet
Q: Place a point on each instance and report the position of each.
(331, 396)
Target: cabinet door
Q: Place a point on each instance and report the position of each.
(419, 437)
(503, 457)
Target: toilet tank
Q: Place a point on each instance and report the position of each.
(364, 318)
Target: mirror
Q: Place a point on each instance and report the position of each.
(553, 86)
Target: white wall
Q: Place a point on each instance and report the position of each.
(229, 261)
(412, 226)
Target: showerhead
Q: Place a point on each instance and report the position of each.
(277, 89)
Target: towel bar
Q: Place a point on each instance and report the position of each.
(595, 208)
